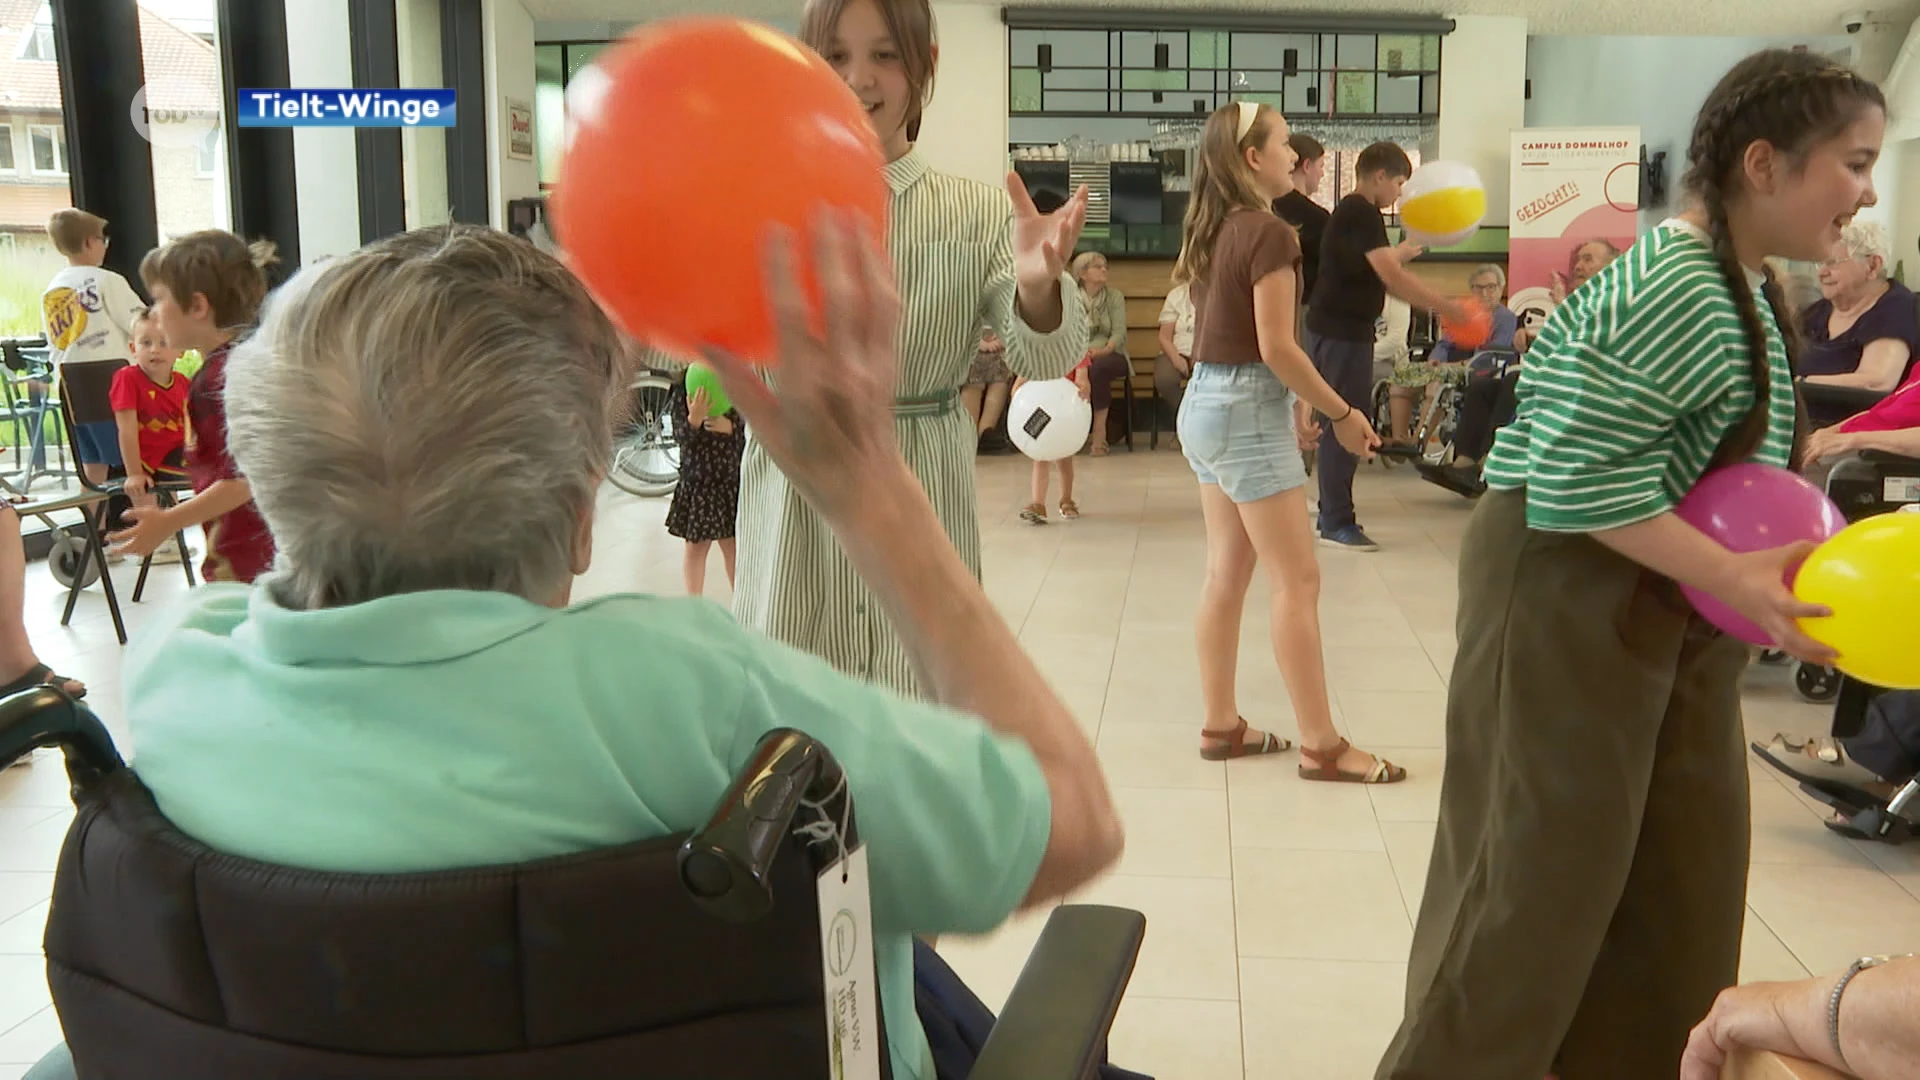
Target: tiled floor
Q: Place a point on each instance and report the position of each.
(1279, 911)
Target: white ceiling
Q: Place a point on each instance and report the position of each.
(1733, 18)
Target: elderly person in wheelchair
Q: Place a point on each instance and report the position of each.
(426, 423)
(1421, 381)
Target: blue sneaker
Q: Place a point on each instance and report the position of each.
(1349, 538)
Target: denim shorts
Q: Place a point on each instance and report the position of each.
(1236, 427)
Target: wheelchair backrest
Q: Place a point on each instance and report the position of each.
(168, 959)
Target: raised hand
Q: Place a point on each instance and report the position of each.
(829, 426)
(1043, 243)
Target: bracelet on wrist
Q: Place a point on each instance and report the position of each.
(1343, 416)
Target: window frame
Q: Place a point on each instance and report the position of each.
(62, 165)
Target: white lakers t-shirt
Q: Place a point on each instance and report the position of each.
(87, 313)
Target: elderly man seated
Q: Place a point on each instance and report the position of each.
(426, 423)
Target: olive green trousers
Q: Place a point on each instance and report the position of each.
(1588, 884)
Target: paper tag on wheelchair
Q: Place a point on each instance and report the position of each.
(847, 971)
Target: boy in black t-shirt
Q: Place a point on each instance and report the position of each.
(1358, 267)
(1298, 209)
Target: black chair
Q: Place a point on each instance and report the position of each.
(693, 955)
(85, 399)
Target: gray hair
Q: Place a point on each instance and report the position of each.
(433, 411)
(1484, 269)
(1868, 240)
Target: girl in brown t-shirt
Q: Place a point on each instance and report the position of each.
(1238, 429)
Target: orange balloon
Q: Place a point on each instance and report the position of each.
(686, 143)
(1472, 332)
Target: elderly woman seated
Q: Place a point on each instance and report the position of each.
(426, 423)
(1489, 285)
(1864, 329)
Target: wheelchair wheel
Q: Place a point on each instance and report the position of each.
(1817, 684)
(66, 558)
(1383, 418)
(646, 458)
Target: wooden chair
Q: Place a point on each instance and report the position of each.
(1764, 1065)
(1128, 392)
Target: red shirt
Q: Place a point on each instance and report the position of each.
(159, 412)
(1895, 412)
(239, 547)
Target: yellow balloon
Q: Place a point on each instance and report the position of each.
(1444, 212)
(1868, 574)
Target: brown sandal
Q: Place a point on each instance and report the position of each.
(1236, 744)
(1325, 765)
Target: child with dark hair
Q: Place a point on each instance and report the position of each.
(207, 290)
(1586, 895)
(1359, 266)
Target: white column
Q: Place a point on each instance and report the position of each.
(1483, 97)
(325, 160)
(964, 131)
(508, 31)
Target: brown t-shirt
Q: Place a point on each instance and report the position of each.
(1251, 245)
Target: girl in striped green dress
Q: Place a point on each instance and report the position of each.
(1586, 894)
(959, 257)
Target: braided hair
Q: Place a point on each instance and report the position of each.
(1794, 101)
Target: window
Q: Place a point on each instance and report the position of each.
(1189, 71)
(207, 155)
(37, 42)
(6, 148)
(1341, 175)
(49, 148)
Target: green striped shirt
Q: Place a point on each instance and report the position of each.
(952, 249)
(1631, 387)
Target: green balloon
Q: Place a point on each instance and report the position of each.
(701, 377)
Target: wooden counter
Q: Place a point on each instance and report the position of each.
(1758, 1065)
(1146, 282)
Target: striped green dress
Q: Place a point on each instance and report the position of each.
(1631, 387)
(951, 245)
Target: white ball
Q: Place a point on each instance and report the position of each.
(1049, 420)
(1443, 203)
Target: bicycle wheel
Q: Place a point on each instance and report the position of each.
(646, 458)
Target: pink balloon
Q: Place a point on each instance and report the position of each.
(1751, 507)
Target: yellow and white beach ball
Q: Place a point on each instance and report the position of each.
(1443, 203)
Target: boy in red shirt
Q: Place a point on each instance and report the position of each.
(149, 402)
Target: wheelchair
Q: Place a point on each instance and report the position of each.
(1863, 486)
(1436, 420)
(699, 954)
(646, 455)
(1862, 813)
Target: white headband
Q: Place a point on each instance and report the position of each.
(1249, 112)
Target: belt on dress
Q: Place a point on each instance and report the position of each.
(929, 405)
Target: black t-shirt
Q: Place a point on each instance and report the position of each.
(1347, 293)
(1309, 219)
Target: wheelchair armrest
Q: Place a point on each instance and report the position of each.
(1055, 1022)
(1846, 400)
(46, 716)
(1882, 457)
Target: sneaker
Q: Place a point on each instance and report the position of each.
(1350, 538)
(1034, 514)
